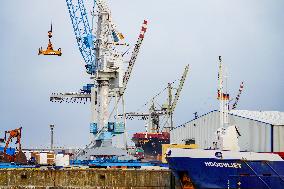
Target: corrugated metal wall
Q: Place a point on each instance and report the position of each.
(255, 135)
(278, 138)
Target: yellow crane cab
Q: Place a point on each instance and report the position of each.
(49, 50)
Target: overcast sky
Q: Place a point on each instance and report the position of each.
(249, 34)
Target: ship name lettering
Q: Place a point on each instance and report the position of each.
(227, 165)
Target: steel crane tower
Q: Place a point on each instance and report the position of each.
(104, 63)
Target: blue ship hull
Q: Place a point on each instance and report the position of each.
(229, 173)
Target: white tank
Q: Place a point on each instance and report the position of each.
(62, 160)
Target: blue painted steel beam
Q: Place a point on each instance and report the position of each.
(83, 33)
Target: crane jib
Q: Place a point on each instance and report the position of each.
(83, 33)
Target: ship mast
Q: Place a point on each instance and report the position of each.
(220, 92)
(223, 96)
(227, 136)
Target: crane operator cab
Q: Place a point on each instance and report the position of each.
(49, 50)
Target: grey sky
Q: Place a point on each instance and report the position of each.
(248, 35)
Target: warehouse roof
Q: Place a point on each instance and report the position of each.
(271, 117)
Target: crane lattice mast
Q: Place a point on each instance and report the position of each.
(83, 33)
(172, 106)
(234, 106)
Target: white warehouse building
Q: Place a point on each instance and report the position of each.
(261, 131)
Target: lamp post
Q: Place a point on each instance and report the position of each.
(51, 136)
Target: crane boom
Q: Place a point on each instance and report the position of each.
(131, 63)
(83, 33)
(133, 58)
(238, 96)
(177, 94)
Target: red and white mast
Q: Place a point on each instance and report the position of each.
(223, 96)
